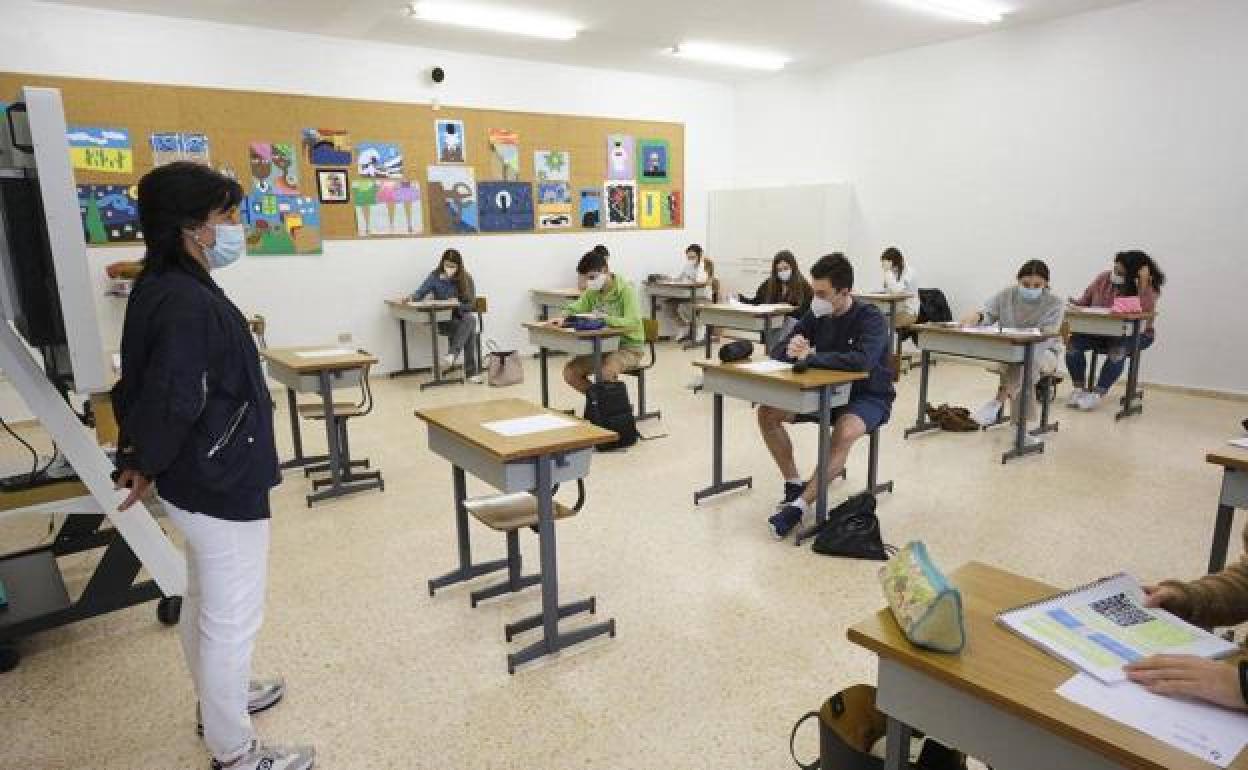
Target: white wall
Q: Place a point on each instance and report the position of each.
(1065, 141)
(311, 300)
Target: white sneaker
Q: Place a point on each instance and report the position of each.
(987, 414)
(476, 379)
(261, 695)
(1075, 395)
(262, 757)
(1089, 401)
(448, 362)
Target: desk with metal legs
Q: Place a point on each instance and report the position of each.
(546, 299)
(595, 343)
(534, 463)
(760, 319)
(677, 290)
(1234, 463)
(429, 312)
(887, 302)
(1006, 347)
(1098, 323)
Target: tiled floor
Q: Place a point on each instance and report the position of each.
(725, 636)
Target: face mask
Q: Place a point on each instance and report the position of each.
(228, 248)
(887, 267)
(598, 282)
(784, 275)
(1116, 279)
(820, 307)
(1030, 295)
(450, 271)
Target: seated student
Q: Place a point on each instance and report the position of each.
(1214, 600)
(838, 332)
(612, 298)
(899, 279)
(451, 281)
(696, 269)
(580, 277)
(785, 285)
(1134, 274)
(1029, 305)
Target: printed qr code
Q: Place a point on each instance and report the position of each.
(1121, 610)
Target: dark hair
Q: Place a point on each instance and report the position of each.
(1034, 267)
(593, 260)
(796, 291)
(461, 275)
(600, 249)
(1133, 260)
(835, 269)
(174, 198)
(695, 248)
(893, 254)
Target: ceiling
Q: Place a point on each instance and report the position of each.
(630, 35)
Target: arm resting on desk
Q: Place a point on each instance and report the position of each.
(1214, 600)
(873, 344)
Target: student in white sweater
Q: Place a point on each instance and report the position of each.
(899, 279)
(1029, 305)
(696, 269)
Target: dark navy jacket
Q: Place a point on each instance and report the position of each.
(192, 406)
(857, 341)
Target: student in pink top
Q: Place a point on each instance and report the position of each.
(1134, 274)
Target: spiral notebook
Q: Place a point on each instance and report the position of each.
(1102, 626)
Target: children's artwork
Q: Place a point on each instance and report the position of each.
(621, 203)
(620, 157)
(93, 148)
(110, 213)
(327, 146)
(387, 207)
(672, 213)
(506, 206)
(591, 208)
(452, 200)
(554, 205)
(274, 170)
(504, 154)
(281, 225)
(331, 185)
(652, 161)
(450, 138)
(170, 146)
(195, 148)
(652, 204)
(379, 160)
(553, 165)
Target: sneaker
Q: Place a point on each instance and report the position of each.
(987, 414)
(476, 379)
(264, 757)
(792, 491)
(1075, 394)
(448, 361)
(783, 522)
(262, 694)
(1090, 400)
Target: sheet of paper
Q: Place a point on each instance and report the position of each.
(1242, 443)
(769, 308)
(523, 426)
(327, 353)
(767, 366)
(1093, 310)
(1214, 734)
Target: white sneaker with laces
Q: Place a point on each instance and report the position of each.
(448, 361)
(262, 694)
(1075, 395)
(987, 414)
(264, 757)
(1090, 401)
(476, 379)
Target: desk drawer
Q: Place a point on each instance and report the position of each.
(311, 383)
(519, 476)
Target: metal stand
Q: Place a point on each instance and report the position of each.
(1046, 392)
(516, 580)
(341, 481)
(1221, 538)
(821, 468)
(438, 380)
(718, 485)
(296, 433)
(1021, 447)
(642, 414)
(873, 467)
(921, 423)
(1129, 405)
(466, 570)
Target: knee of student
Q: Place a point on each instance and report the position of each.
(848, 430)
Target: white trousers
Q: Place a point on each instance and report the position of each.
(227, 566)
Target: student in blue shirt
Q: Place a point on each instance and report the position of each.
(451, 281)
(838, 332)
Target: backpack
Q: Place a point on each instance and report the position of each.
(853, 531)
(608, 407)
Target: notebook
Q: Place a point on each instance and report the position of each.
(1102, 626)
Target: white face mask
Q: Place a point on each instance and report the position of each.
(887, 267)
(450, 271)
(784, 275)
(228, 247)
(1117, 279)
(598, 282)
(820, 307)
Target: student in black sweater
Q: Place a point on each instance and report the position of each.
(838, 332)
(785, 285)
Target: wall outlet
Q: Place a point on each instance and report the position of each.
(344, 338)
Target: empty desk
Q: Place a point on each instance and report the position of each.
(546, 299)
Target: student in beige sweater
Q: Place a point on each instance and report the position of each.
(1214, 600)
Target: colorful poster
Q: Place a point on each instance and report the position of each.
(327, 146)
(673, 216)
(452, 200)
(652, 205)
(553, 165)
(274, 169)
(387, 207)
(110, 213)
(379, 160)
(621, 203)
(591, 208)
(332, 185)
(504, 154)
(554, 205)
(170, 146)
(506, 206)
(450, 139)
(282, 225)
(652, 161)
(620, 157)
(195, 148)
(92, 148)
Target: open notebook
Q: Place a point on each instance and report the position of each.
(1101, 627)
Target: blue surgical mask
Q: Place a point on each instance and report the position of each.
(230, 243)
(1030, 295)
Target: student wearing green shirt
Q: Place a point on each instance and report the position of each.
(613, 299)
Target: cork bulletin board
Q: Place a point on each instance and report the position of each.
(233, 121)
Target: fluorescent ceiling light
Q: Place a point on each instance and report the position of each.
(734, 57)
(494, 19)
(977, 11)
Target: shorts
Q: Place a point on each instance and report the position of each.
(620, 360)
(874, 411)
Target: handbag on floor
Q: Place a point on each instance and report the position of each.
(852, 530)
(607, 406)
(502, 367)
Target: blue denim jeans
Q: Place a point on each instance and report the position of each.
(1115, 350)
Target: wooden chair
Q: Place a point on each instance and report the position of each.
(651, 329)
(480, 306)
(343, 413)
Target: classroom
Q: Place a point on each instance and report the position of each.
(539, 385)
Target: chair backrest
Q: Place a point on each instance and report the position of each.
(366, 392)
(933, 307)
(650, 327)
(480, 305)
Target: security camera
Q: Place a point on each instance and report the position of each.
(437, 74)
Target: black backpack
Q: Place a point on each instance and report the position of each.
(853, 531)
(607, 406)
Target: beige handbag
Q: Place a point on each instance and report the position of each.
(502, 367)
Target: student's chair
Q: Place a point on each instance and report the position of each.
(480, 306)
(651, 329)
(343, 413)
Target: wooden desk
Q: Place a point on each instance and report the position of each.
(749, 318)
(534, 463)
(677, 290)
(815, 391)
(1004, 347)
(320, 374)
(996, 700)
(1234, 463)
(429, 312)
(545, 299)
(1099, 323)
(592, 343)
(887, 301)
